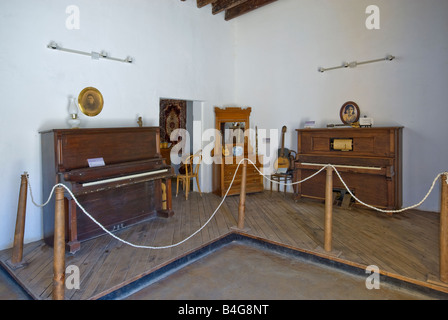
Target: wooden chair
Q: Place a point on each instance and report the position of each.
(285, 176)
(192, 164)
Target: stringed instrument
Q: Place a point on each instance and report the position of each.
(282, 163)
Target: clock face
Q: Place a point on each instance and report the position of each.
(237, 151)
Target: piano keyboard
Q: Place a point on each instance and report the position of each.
(341, 166)
(132, 176)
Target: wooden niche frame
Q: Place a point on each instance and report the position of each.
(226, 162)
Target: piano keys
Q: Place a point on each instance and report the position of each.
(368, 159)
(133, 185)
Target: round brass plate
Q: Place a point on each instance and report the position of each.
(90, 101)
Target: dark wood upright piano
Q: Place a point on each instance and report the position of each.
(133, 184)
(368, 159)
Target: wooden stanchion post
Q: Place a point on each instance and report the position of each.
(242, 205)
(17, 251)
(328, 210)
(444, 231)
(59, 246)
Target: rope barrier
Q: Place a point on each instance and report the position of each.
(391, 211)
(356, 198)
(222, 201)
(122, 240)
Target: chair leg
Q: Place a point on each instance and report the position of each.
(177, 187)
(199, 188)
(284, 189)
(187, 188)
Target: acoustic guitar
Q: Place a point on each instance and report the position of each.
(282, 163)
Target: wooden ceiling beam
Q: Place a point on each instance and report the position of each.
(203, 3)
(222, 5)
(245, 7)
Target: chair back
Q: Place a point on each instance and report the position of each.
(192, 164)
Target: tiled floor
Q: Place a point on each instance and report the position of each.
(9, 289)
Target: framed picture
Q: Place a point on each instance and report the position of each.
(90, 101)
(349, 112)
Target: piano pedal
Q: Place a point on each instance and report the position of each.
(337, 196)
(346, 201)
(342, 198)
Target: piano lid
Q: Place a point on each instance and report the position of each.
(73, 147)
(85, 175)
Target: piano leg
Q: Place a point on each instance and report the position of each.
(168, 212)
(390, 190)
(297, 176)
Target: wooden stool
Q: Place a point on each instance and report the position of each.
(281, 176)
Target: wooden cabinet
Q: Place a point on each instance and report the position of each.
(223, 175)
(231, 147)
(368, 159)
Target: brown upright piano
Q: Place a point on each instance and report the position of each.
(368, 159)
(117, 174)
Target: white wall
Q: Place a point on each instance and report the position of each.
(180, 51)
(281, 47)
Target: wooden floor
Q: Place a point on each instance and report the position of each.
(404, 246)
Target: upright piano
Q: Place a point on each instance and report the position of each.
(117, 175)
(368, 159)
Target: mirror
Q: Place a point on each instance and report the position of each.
(233, 132)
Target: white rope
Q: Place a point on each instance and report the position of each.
(356, 198)
(389, 211)
(220, 204)
(31, 192)
(118, 238)
(282, 183)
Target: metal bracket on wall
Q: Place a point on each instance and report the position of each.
(354, 64)
(94, 55)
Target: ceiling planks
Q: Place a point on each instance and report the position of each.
(203, 3)
(222, 5)
(233, 8)
(245, 7)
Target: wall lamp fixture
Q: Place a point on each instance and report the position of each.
(354, 64)
(94, 55)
